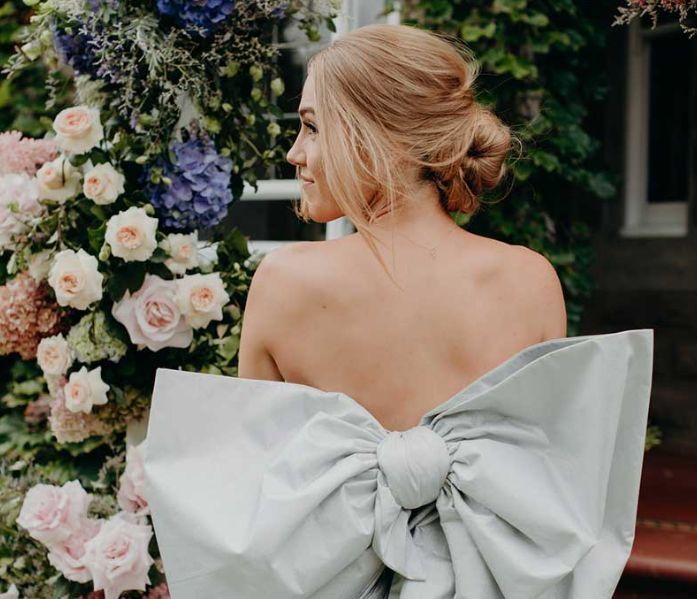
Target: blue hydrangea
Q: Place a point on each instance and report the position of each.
(199, 194)
(206, 14)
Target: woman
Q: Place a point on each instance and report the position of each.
(393, 106)
(412, 421)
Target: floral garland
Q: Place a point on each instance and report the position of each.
(684, 9)
(107, 273)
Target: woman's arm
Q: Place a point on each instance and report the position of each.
(260, 314)
(548, 296)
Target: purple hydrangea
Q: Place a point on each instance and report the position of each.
(76, 50)
(206, 14)
(79, 47)
(199, 195)
(280, 11)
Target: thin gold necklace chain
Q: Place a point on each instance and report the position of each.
(431, 250)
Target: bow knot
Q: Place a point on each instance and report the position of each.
(415, 463)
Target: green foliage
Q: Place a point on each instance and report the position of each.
(654, 437)
(24, 100)
(542, 73)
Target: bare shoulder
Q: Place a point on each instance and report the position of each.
(527, 279)
(542, 292)
(273, 295)
(283, 279)
(296, 257)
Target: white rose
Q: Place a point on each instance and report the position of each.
(39, 264)
(84, 389)
(201, 298)
(207, 256)
(53, 355)
(19, 201)
(103, 184)
(58, 180)
(11, 593)
(78, 129)
(75, 279)
(131, 234)
(183, 251)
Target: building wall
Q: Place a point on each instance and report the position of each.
(648, 282)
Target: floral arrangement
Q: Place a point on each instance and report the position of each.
(115, 260)
(684, 9)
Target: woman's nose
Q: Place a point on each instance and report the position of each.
(294, 155)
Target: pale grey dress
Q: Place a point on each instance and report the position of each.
(522, 485)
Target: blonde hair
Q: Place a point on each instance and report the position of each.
(391, 98)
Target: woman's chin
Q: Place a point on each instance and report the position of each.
(322, 211)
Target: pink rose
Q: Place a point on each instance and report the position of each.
(67, 555)
(152, 317)
(117, 557)
(131, 497)
(52, 514)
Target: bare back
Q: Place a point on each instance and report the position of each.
(346, 326)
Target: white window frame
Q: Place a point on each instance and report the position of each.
(642, 218)
(289, 189)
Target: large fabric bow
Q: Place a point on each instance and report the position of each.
(522, 485)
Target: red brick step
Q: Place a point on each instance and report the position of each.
(663, 562)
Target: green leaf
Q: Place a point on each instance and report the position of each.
(471, 33)
(158, 268)
(98, 211)
(117, 392)
(135, 277)
(601, 186)
(96, 237)
(116, 286)
(559, 38)
(547, 161)
(5, 93)
(61, 588)
(536, 20)
(229, 347)
(562, 258)
(159, 255)
(79, 159)
(508, 6)
(7, 9)
(99, 156)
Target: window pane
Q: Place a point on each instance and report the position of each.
(272, 219)
(292, 65)
(670, 117)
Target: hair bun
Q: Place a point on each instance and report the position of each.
(484, 163)
(479, 159)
